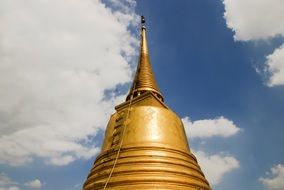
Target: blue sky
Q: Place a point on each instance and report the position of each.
(65, 64)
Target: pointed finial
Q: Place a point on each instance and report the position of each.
(144, 79)
(143, 20)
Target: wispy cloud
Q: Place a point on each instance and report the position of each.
(6, 183)
(259, 20)
(34, 184)
(57, 60)
(274, 179)
(10, 188)
(5, 180)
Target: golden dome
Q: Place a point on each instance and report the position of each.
(145, 145)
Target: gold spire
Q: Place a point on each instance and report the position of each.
(145, 146)
(144, 79)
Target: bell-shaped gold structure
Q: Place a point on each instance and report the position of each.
(145, 145)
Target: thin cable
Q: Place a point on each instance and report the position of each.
(125, 126)
(120, 145)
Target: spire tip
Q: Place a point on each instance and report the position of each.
(143, 20)
(144, 80)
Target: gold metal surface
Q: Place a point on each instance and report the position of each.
(145, 146)
(144, 79)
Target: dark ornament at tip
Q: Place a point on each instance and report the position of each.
(143, 20)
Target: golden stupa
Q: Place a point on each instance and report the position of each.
(145, 145)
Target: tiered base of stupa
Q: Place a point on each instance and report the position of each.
(146, 168)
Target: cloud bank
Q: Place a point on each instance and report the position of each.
(275, 178)
(259, 20)
(58, 58)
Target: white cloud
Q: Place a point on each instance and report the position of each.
(275, 65)
(34, 184)
(4, 179)
(275, 181)
(220, 127)
(10, 188)
(254, 19)
(259, 20)
(57, 59)
(6, 183)
(216, 166)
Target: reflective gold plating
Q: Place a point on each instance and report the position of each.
(145, 146)
(144, 78)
